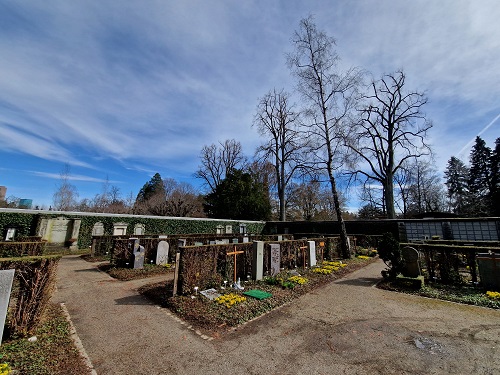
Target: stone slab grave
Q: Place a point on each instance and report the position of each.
(6, 278)
(162, 253)
(211, 294)
(275, 259)
(411, 267)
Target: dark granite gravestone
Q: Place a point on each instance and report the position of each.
(411, 267)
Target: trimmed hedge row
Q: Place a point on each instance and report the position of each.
(34, 280)
(20, 249)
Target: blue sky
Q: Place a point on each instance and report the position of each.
(120, 90)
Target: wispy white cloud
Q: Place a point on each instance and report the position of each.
(148, 84)
(72, 177)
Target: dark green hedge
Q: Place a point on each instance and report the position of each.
(26, 223)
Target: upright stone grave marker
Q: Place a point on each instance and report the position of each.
(245, 239)
(312, 253)
(258, 260)
(162, 253)
(6, 278)
(275, 259)
(138, 253)
(410, 258)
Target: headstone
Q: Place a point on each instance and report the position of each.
(235, 240)
(258, 260)
(181, 242)
(59, 228)
(119, 229)
(245, 239)
(275, 259)
(139, 229)
(211, 294)
(162, 253)
(11, 232)
(6, 278)
(225, 241)
(213, 242)
(219, 242)
(198, 244)
(229, 229)
(139, 257)
(280, 237)
(98, 229)
(243, 229)
(312, 253)
(489, 267)
(162, 236)
(219, 229)
(410, 259)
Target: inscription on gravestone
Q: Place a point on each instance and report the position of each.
(275, 259)
(162, 253)
(6, 278)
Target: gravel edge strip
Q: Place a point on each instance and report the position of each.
(77, 341)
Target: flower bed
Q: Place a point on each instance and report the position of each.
(214, 316)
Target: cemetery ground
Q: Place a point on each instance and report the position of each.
(344, 326)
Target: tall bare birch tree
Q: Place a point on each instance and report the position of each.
(331, 96)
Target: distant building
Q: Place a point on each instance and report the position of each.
(25, 203)
(3, 192)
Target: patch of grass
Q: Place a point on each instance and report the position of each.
(466, 294)
(215, 318)
(52, 353)
(126, 274)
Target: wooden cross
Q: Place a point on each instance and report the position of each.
(303, 248)
(235, 253)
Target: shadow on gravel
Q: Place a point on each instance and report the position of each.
(88, 270)
(363, 281)
(132, 300)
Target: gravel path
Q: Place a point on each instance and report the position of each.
(346, 327)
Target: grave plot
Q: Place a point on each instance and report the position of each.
(222, 286)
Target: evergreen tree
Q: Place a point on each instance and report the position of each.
(495, 180)
(152, 188)
(456, 181)
(479, 179)
(239, 196)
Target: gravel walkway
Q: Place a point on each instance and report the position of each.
(346, 327)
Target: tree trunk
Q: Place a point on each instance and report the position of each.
(345, 249)
(389, 197)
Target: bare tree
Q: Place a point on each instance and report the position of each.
(277, 121)
(332, 96)
(66, 195)
(218, 160)
(393, 129)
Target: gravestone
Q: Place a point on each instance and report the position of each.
(245, 239)
(211, 294)
(162, 236)
(243, 229)
(198, 244)
(280, 237)
(98, 229)
(6, 278)
(257, 260)
(312, 253)
(138, 256)
(275, 259)
(139, 229)
(181, 242)
(229, 229)
(411, 267)
(119, 229)
(11, 233)
(213, 242)
(489, 267)
(219, 229)
(235, 240)
(162, 253)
